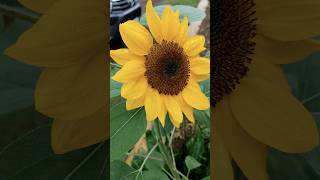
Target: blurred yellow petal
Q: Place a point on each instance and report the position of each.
(70, 33)
(279, 52)
(170, 24)
(186, 109)
(288, 20)
(273, 116)
(152, 103)
(122, 56)
(154, 22)
(264, 69)
(135, 103)
(72, 92)
(38, 6)
(194, 45)
(130, 71)
(194, 97)
(200, 66)
(174, 110)
(72, 135)
(136, 37)
(221, 160)
(249, 154)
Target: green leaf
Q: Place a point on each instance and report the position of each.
(114, 88)
(155, 175)
(191, 163)
(193, 14)
(17, 80)
(127, 127)
(120, 170)
(114, 85)
(31, 157)
(206, 178)
(291, 166)
(155, 161)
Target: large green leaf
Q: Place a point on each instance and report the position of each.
(17, 80)
(155, 175)
(126, 127)
(193, 14)
(31, 157)
(120, 170)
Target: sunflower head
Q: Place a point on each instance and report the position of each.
(160, 69)
(167, 68)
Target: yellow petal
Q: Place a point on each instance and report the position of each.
(122, 56)
(163, 113)
(72, 135)
(194, 45)
(194, 97)
(154, 22)
(130, 71)
(70, 33)
(125, 88)
(72, 92)
(38, 6)
(136, 37)
(174, 110)
(288, 20)
(174, 123)
(183, 33)
(170, 24)
(249, 154)
(152, 104)
(222, 168)
(186, 109)
(200, 78)
(273, 116)
(264, 69)
(136, 90)
(135, 103)
(200, 66)
(279, 52)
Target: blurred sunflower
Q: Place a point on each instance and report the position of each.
(69, 42)
(162, 72)
(253, 104)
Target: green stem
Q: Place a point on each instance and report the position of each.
(145, 160)
(165, 153)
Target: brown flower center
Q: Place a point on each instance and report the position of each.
(232, 34)
(167, 68)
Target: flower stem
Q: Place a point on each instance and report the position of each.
(168, 157)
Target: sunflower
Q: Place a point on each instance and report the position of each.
(161, 71)
(69, 42)
(252, 102)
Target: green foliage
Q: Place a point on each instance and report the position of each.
(126, 129)
(193, 3)
(191, 163)
(31, 157)
(17, 80)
